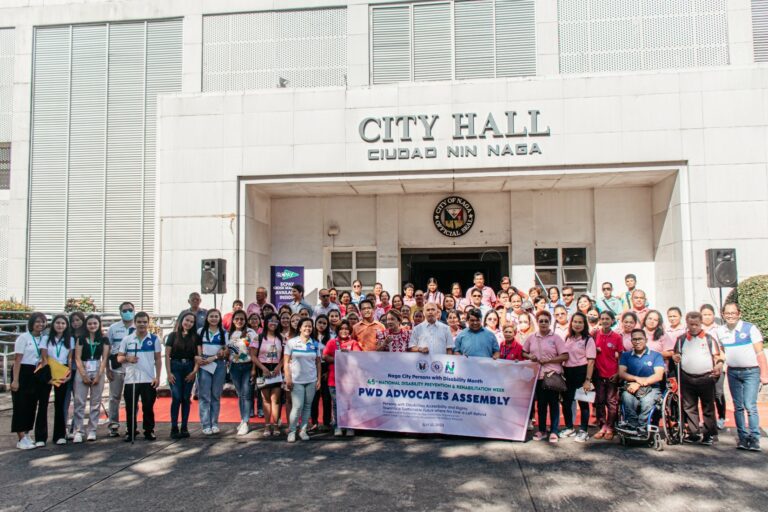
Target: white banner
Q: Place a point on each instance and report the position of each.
(413, 392)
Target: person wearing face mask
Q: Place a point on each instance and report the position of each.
(593, 320)
(115, 371)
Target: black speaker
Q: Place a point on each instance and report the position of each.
(213, 276)
(721, 268)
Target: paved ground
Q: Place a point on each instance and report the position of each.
(377, 472)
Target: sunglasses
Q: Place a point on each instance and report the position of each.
(607, 289)
(324, 296)
(126, 310)
(567, 295)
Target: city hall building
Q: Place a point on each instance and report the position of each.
(555, 141)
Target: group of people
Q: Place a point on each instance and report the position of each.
(615, 346)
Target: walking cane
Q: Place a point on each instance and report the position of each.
(134, 401)
(680, 398)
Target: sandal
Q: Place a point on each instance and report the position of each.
(608, 435)
(599, 435)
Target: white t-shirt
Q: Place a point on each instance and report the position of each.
(238, 346)
(29, 346)
(58, 351)
(303, 359)
(145, 350)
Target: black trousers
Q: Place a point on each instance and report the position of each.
(30, 404)
(325, 396)
(695, 389)
(574, 378)
(148, 394)
(720, 396)
(59, 411)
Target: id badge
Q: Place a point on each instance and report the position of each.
(92, 366)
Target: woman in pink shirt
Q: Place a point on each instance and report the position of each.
(578, 374)
(383, 306)
(492, 322)
(344, 343)
(458, 296)
(658, 341)
(561, 321)
(675, 328)
(433, 295)
(548, 349)
(408, 298)
(628, 322)
(454, 322)
(609, 346)
(525, 327)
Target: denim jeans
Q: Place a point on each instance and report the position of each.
(209, 388)
(181, 390)
(301, 405)
(241, 378)
(744, 384)
(630, 403)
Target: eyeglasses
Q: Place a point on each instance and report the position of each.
(473, 295)
(638, 339)
(607, 289)
(567, 295)
(324, 296)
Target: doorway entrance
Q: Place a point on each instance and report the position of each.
(453, 265)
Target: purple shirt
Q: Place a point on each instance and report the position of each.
(489, 296)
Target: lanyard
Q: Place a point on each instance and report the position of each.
(58, 346)
(37, 343)
(91, 349)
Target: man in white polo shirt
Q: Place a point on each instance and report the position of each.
(431, 337)
(701, 363)
(140, 355)
(747, 369)
(115, 371)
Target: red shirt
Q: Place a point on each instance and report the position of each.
(330, 349)
(608, 346)
(511, 351)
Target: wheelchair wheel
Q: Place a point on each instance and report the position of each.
(670, 418)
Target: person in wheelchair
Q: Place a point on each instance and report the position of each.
(642, 371)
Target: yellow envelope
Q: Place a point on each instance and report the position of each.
(59, 372)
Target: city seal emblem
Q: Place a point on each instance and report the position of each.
(454, 216)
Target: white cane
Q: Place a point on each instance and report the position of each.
(134, 401)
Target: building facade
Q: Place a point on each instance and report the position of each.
(556, 141)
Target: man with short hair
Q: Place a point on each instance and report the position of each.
(639, 305)
(365, 330)
(476, 301)
(115, 371)
(747, 368)
(194, 301)
(298, 303)
(701, 363)
(608, 301)
(642, 370)
(431, 336)
(325, 306)
(569, 300)
(408, 299)
(419, 301)
(476, 340)
(261, 301)
(226, 320)
(488, 295)
(630, 280)
(140, 353)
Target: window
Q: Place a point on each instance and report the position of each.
(346, 266)
(627, 35)
(760, 29)
(566, 266)
(452, 40)
(5, 166)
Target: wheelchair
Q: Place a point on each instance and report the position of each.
(664, 424)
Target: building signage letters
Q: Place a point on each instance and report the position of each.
(513, 129)
(454, 216)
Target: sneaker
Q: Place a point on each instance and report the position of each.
(91, 436)
(337, 432)
(292, 437)
(215, 429)
(39, 444)
(25, 444)
(581, 437)
(350, 432)
(303, 435)
(184, 433)
(175, 433)
(691, 439)
(743, 444)
(242, 429)
(566, 432)
(753, 445)
(70, 436)
(61, 441)
(78, 438)
(267, 431)
(539, 436)
(207, 431)
(127, 438)
(150, 436)
(553, 438)
(706, 440)
(114, 433)
(530, 425)
(721, 424)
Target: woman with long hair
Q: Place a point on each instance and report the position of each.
(323, 336)
(59, 347)
(240, 365)
(525, 327)
(181, 368)
(578, 369)
(77, 330)
(583, 304)
(656, 335)
(91, 356)
(212, 361)
(344, 343)
(433, 294)
(397, 302)
(492, 322)
(28, 392)
(453, 319)
(302, 377)
(267, 354)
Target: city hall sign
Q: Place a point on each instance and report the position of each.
(506, 134)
